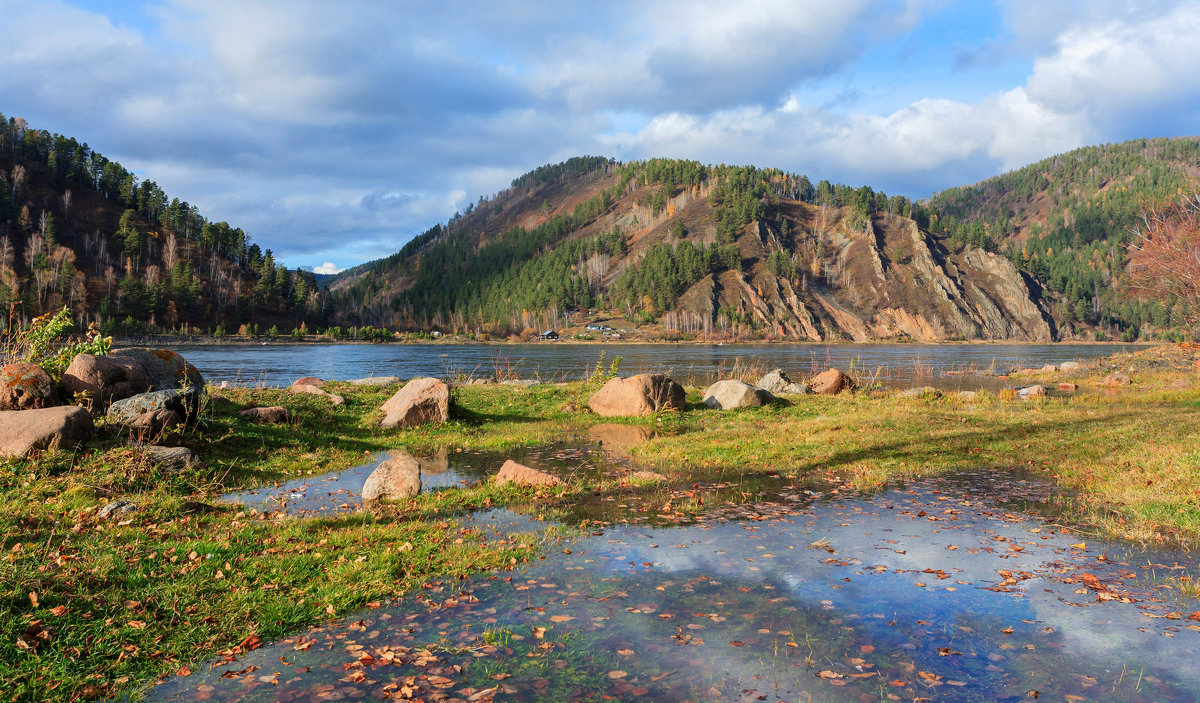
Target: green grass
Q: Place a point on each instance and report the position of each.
(121, 604)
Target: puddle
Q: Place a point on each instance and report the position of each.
(930, 591)
(341, 491)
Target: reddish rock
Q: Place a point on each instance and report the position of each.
(1065, 386)
(397, 478)
(24, 431)
(420, 402)
(644, 394)
(26, 387)
(831, 382)
(1032, 392)
(1115, 380)
(164, 368)
(308, 381)
(104, 379)
(1198, 364)
(522, 475)
(273, 415)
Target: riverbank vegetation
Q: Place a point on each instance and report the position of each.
(94, 606)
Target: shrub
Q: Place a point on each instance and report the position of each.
(45, 343)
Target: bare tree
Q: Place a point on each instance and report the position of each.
(1164, 261)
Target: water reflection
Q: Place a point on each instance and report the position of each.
(929, 591)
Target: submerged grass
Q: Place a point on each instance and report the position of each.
(93, 608)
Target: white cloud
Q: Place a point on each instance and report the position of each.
(326, 268)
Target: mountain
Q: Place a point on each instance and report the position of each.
(678, 248)
(80, 230)
(1067, 220)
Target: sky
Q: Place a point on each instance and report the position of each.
(335, 132)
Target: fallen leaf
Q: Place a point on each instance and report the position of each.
(561, 618)
(827, 674)
(617, 674)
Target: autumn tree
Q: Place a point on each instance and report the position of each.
(1165, 256)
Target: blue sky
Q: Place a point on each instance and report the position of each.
(334, 132)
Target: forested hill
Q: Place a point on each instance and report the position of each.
(678, 248)
(80, 230)
(1067, 221)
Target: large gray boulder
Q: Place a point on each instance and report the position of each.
(24, 431)
(397, 478)
(166, 369)
(25, 386)
(731, 393)
(420, 402)
(155, 411)
(776, 382)
(644, 394)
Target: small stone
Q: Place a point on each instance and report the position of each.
(1117, 379)
(1066, 386)
(647, 477)
(1034, 391)
(116, 508)
(272, 415)
(308, 381)
(776, 382)
(512, 472)
(172, 460)
(1069, 366)
(922, 392)
(309, 389)
(396, 478)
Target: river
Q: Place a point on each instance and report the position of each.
(972, 366)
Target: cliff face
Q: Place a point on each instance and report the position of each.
(794, 270)
(891, 280)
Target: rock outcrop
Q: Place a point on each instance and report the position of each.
(397, 478)
(25, 431)
(25, 386)
(420, 402)
(127, 372)
(512, 472)
(731, 393)
(644, 394)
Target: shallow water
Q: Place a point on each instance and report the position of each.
(897, 365)
(930, 591)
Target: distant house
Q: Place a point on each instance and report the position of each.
(548, 334)
(597, 327)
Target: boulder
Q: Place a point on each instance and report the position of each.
(24, 431)
(1115, 380)
(1069, 366)
(153, 423)
(922, 392)
(731, 393)
(172, 460)
(104, 379)
(397, 478)
(421, 401)
(968, 395)
(308, 381)
(153, 411)
(273, 415)
(522, 475)
(26, 387)
(1065, 386)
(831, 382)
(164, 368)
(308, 389)
(777, 383)
(1049, 368)
(644, 394)
(1034, 391)
(376, 381)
